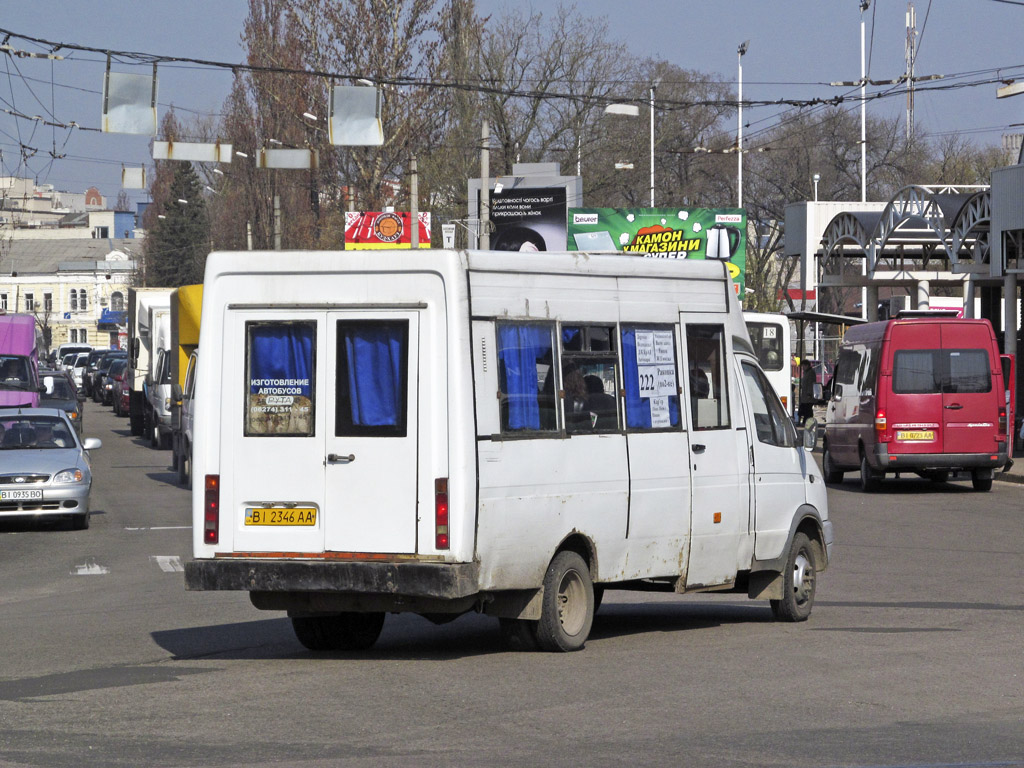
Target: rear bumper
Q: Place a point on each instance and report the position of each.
(912, 461)
(445, 581)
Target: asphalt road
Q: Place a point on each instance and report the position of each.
(912, 657)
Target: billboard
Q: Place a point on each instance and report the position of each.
(528, 219)
(366, 230)
(668, 233)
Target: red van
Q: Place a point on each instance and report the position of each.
(922, 395)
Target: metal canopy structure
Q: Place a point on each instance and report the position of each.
(931, 229)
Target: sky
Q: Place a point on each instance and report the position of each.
(796, 48)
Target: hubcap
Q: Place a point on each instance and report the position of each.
(803, 578)
(572, 603)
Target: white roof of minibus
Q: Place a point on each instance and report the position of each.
(580, 262)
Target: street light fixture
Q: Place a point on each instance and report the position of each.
(739, 124)
(816, 178)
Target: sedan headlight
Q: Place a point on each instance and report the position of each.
(69, 476)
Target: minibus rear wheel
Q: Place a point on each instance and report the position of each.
(567, 609)
(799, 582)
(338, 631)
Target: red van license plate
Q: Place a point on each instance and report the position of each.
(916, 434)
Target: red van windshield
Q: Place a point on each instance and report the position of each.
(928, 371)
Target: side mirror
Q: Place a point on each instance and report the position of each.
(48, 385)
(837, 391)
(810, 433)
(92, 443)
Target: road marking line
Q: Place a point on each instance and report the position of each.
(90, 568)
(168, 563)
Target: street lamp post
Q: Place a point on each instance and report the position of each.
(652, 146)
(739, 124)
(816, 178)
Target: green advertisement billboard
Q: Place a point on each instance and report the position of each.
(667, 233)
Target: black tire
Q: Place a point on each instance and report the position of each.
(179, 464)
(136, 422)
(832, 475)
(519, 634)
(799, 582)
(980, 482)
(338, 631)
(567, 609)
(80, 522)
(598, 598)
(869, 479)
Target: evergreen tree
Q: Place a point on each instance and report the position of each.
(178, 243)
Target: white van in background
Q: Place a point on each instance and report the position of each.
(442, 432)
(770, 336)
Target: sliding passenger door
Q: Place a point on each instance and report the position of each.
(720, 514)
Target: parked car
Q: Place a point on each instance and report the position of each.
(120, 395)
(99, 359)
(44, 466)
(77, 369)
(102, 366)
(60, 392)
(104, 391)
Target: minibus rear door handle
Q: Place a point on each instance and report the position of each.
(953, 406)
(698, 448)
(333, 458)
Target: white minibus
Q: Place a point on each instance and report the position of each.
(441, 432)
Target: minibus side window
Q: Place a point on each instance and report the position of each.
(771, 424)
(526, 377)
(589, 378)
(847, 367)
(372, 378)
(708, 379)
(649, 378)
(280, 370)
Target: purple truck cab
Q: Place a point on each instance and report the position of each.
(19, 361)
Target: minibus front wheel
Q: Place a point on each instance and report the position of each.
(799, 582)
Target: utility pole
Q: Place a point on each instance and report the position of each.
(414, 213)
(911, 55)
(485, 188)
(277, 222)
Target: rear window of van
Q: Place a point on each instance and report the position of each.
(930, 371)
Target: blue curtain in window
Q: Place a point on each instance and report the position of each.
(375, 354)
(282, 353)
(638, 409)
(519, 349)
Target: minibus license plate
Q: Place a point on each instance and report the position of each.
(280, 516)
(917, 434)
(20, 495)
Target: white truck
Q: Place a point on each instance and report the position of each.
(442, 432)
(148, 310)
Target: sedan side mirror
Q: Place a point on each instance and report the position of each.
(91, 443)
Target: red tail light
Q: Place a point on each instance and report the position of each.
(882, 432)
(211, 510)
(1002, 421)
(441, 513)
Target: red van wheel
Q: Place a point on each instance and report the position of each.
(869, 478)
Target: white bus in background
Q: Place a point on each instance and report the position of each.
(443, 432)
(770, 337)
